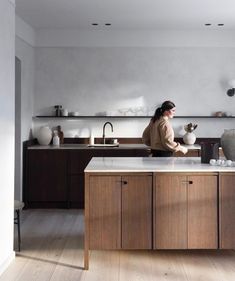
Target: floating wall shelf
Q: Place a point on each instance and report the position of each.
(123, 117)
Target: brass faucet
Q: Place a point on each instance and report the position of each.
(106, 123)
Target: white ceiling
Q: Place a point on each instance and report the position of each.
(127, 14)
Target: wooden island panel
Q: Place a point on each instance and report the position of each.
(185, 211)
(202, 212)
(170, 212)
(227, 211)
(105, 212)
(137, 212)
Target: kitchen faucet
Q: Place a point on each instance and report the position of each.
(106, 123)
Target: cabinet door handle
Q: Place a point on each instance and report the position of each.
(124, 182)
(189, 182)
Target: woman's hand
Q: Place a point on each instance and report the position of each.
(184, 149)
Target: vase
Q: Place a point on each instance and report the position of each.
(44, 135)
(189, 138)
(228, 144)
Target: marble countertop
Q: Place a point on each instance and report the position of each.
(153, 164)
(85, 146)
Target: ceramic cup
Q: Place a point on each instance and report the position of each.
(213, 162)
(229, 163)
(115, 141)
(218, 162)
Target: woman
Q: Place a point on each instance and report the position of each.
(159, 134)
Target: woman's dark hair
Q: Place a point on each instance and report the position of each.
(167, 105)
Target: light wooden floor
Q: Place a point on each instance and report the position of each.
(52, 249)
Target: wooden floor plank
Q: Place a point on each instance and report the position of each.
(198, 266)
(104, 266)
(70, 264)
(52, 250)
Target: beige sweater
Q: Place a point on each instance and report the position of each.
(160, 136)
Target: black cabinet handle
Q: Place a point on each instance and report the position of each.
(190, 182)
(124, 182)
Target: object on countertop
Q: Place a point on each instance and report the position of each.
(209, 150)
(56, 139)
(60, 134)
(44, 135)
(92, 140)
(228, 144)
(189, 137)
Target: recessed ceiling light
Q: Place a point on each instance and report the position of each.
(207, 24)
(95, 23)
(220, 24)
(108, 24)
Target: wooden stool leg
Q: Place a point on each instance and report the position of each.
(18, 227)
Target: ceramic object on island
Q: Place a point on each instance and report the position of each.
(189, 138)
(228, 144)
(44, 135)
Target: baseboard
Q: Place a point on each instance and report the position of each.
(7, 262)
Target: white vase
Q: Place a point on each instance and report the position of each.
(44, 135)
(189, 138)
(228, 144)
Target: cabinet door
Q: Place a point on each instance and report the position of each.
(202, 212)
(78, 160)
(170, 212)
(76, 191)
(47, 176)
(105, 212)
(137, 212)
(227, 211)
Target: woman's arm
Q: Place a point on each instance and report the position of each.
(167, 138)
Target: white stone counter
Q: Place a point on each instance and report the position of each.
(153, 164)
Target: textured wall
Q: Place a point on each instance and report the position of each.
(92, 79)
(96, 79)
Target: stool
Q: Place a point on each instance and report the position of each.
(18, 206)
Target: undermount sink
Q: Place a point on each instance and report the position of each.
(103, 145)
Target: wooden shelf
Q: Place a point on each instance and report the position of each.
(123, 117)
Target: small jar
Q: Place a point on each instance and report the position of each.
(56, 139)
(92, 140)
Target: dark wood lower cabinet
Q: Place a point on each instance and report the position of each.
(55, 178)
(46, 179)
(76, 191)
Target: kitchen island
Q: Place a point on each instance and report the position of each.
(158, 203)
